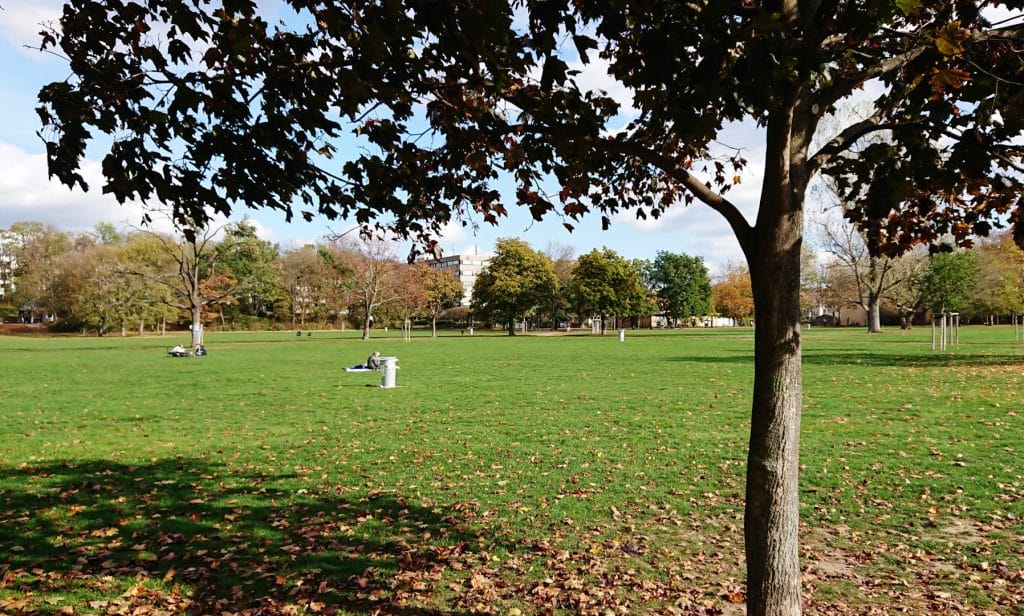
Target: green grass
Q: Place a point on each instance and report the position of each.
(541, 473)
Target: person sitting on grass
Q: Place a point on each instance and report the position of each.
(372, 363)
(177, 351)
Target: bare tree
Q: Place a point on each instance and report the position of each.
(374, 275)
(308, 282)
(563, 260)
(188, 270)
(872, 276)
(907, 294)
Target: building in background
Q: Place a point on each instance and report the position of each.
(7, 265)
(465, 267)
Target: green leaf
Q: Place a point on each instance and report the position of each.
(908, 6)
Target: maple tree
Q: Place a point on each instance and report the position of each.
(732, 296)
(223, 108)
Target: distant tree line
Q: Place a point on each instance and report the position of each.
(556, 288)
(108, 280)
(984, 283)
(105, 280)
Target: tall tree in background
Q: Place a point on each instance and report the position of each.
(872, 274)
(307, 283)
(682, 285)
(38, 259)
(732, 295)
(907, 294)
(563, 260)
(1001, 277)
(949, 281)
(144, 257)
(517, 281)
(100, 290)
(188, 269)
(222, 109)
(372, 275)
(411, 295)
(604, 284)
(444, 291)
(253, 263)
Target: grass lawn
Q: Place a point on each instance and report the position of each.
(535, 474)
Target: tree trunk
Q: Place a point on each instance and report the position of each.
(197, 325)
(511, 326)
(433, 327)
(874, 320)
(771, 522)
(367, 322)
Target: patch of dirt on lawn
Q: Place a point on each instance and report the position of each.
(23, 329)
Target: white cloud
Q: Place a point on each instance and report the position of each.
(594, 77)
(1003, 16)
(453, 233)
(27, 194)
(23, 19)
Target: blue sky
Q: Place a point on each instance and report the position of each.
(27, 194)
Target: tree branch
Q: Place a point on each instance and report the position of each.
(844, 141)
(675, 170)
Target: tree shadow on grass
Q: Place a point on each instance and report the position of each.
(846, 357)
(232, 540)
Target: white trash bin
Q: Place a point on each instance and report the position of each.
(622, 335)
(388, 367)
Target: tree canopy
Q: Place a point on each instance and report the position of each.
(949, 279)
(605, 284)
(682, 285)
(517, 280)
(409, 114)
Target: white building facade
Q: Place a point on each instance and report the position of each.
(466, 268)
(7, 265)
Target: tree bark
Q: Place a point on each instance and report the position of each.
(771, 520)
(874, 319)
(197, 323)
(772, 512)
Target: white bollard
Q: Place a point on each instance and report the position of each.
(388, 367)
